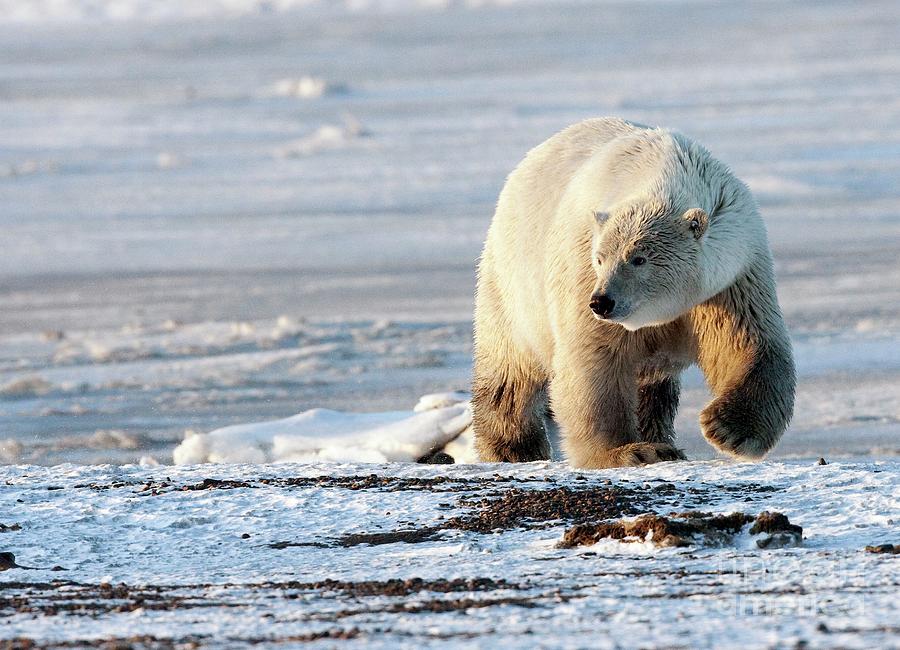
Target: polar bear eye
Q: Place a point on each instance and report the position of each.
(639, 261)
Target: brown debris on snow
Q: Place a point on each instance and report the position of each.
(688, 529)
(778, 530)
(515, 507)
(885, 549)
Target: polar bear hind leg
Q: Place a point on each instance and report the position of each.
(509, 403)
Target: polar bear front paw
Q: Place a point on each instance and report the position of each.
(636, 454)
(731, 432)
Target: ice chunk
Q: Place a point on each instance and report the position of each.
(323, 434)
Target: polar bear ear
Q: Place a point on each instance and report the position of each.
(600, 217)
(697, 221)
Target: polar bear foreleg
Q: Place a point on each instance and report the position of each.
(745, 353)
(508, 400)
(750, 413)
(596, 407)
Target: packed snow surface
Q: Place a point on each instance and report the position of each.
(240, 554)
(214, 222)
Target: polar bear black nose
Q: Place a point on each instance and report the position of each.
(602, 305)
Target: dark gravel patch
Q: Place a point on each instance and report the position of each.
(150, 642)
(94, 600)
(662, 493)
(398, 587)
(155, 488)
(413, 536)
(391, 483)
(357, 482)
(335, 634)
(436, 606)
(73, 598)
(141, 642)
(518, 508)
(510, 509)
(455, 605)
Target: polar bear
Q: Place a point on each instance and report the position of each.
(620, 254)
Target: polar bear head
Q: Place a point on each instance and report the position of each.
(648, 261)
(675, 227)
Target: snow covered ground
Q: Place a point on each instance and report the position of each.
(216, 222)
(399, 555)
(221, 213)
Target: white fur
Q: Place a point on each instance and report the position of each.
(610, 189)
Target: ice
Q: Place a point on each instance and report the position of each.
(325, 138)
(304, 87)
(440, 400)
(188, 249)
(55, 11)
(323, 434)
